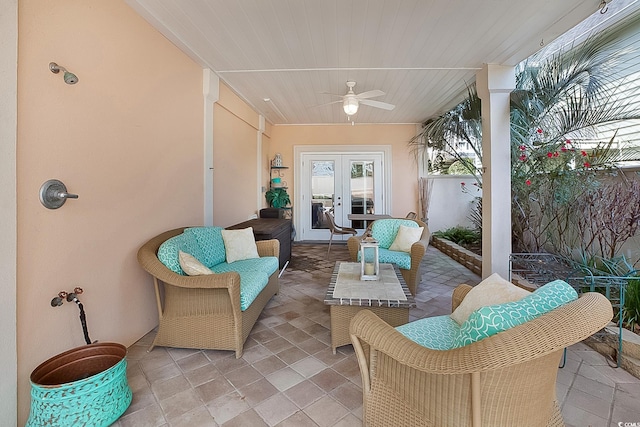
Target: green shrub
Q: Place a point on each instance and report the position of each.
(631, 307)
(460, 235)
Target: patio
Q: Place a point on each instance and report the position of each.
(288, 375)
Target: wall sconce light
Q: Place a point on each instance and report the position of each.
(69, 78)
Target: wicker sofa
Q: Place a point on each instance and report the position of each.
(507, 379)
(385, 230)
(207, 312)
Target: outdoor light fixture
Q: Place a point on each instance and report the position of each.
(350, 105)
(69, 78)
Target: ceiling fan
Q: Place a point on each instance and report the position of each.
(351, 101)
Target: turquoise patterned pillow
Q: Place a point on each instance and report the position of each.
(489, 320)
(436, 333)
(168, 252)
(210, 240)
(385, 230)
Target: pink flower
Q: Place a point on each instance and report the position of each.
(462, 184)
(567, 141)
(556, 154)
(528, 182)
(539, 130)
(587, 164)
(563, 149)
(549, 154)
(584, 153)
(523, 158)
(522, 148)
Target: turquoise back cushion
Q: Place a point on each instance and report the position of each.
(265, 264)
(385, 230)
(436, 333)
(489, 320)
(168, 251)
(210, 240)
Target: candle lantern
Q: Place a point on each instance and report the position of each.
(369, 264)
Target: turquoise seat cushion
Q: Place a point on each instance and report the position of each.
(267, 264)
(385, 230)
(401, 259)
(251, 283)
(169, 249)
(489, 320)
(436, 333)
(211, 244)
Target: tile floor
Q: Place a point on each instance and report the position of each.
(288, 375)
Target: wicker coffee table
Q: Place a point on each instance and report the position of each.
(389, 298)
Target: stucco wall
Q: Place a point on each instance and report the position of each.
(128, 138)
(404, 176)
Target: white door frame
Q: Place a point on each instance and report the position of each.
(299, 150)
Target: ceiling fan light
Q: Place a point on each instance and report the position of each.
(350, 106)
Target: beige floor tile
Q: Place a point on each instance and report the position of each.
(269, 365)
(258, 391)
(214, 389)
(157, 358)
(304, 393)
(179, 353)
(229, 364)
(248, 418)
(255, 353)
(227, 407)
(328, 379)
(243, 376)
(141, 399)
(299, 419)
(198, 417)
(601, 390)
(308, 366)
(151, 416)
(284, 378)
(276, 409)
(292, 355)
(588, 402)
(278, 345)
(170, 387)
(580, 418)
(349, 421)
(326, 412)
(348, 395)
(180, 403)
(193, 361)
(202, 375)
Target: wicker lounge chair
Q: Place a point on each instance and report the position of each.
(411, 275)
(203, 312)
(508, 379)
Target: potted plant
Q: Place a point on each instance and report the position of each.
(277, 197)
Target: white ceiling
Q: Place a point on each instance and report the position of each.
(421, 53)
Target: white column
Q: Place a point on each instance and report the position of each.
(494, 84)
(8, 214)
(259, 165)
(211, 92)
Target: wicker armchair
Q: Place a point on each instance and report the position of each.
(203, 312)
(508, 379)
(412, 275)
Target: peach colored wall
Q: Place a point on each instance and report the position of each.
(235, 171)
(404, 169)
(128, 138)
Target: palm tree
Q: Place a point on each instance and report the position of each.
(558, 101)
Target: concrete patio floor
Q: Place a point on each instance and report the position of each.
(288, 375)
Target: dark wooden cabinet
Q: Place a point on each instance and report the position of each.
(271, 228)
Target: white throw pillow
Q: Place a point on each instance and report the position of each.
(491, 291)
(239, 244)
(191, 266)
(406, 237)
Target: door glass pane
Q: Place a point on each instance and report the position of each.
(322, 191)
(361, 190)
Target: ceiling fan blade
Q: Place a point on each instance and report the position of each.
(322, 105)
(377, 104)
(370, 94)
(332, 94)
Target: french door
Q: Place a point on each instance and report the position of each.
(340, 183)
